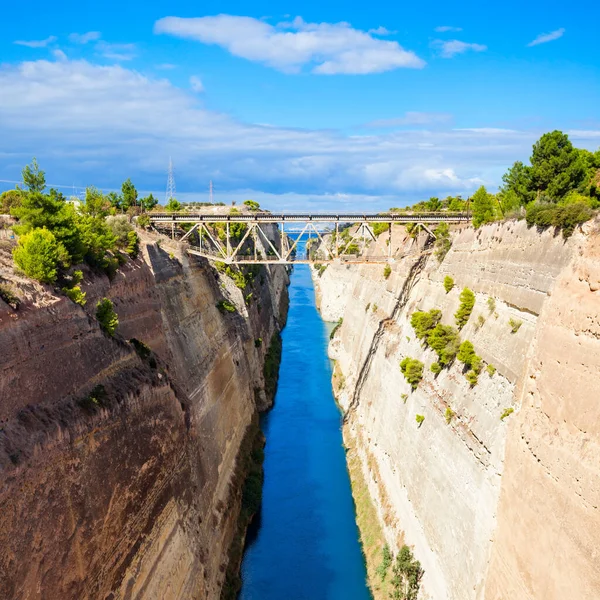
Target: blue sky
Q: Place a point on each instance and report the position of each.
(293, 104)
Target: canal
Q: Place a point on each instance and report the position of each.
(305, 543)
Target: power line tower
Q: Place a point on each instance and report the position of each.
(210, 192)
(170, 183)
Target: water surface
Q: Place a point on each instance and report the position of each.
(304, 544)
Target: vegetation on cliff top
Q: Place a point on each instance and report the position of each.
(55, 233)
(560, 187)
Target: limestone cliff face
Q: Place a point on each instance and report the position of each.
(494, 508)
(118, 469)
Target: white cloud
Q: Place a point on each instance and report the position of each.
(412, 118)
(166, 66)
(584, 134)
(37, 43)
(196, 84)
(59, 55)
(84, 38)
(288, 46)
(547, 37)
(92, 124)
(446, 28)
(381, 31)
(451, 48)
(116, 51)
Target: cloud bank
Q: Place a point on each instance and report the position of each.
(68, 115)
(323, 48)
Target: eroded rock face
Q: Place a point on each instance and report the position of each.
(547, 543)
(134, 495)
(450, 489)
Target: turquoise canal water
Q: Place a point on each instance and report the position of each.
(304, 544)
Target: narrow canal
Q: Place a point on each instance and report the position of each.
(305, 544)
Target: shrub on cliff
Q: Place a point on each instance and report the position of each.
(387, 271)
(407, 574)
(565, 218)
(386, 561)
(335, 329)
(515, 325)
(107, 317)
(225, 306)
(379, 228)
(467, 302)
(442, 241)
(471, 377)
(39, 255)
(9, 297)
(445, 341)
(133, 244)
(143, 221)
(271, 366)
(75, 294)
(424, 322)
(448, 283)
(466, 352)
(412, 369)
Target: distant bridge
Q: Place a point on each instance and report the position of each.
(211, 236)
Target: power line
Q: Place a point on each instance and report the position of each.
(170, 182)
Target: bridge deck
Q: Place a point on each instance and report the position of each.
(199, 217)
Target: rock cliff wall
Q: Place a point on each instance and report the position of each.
(120, 469)
(494, 508)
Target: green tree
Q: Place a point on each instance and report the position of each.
(173, 205)
(433, 204)
(39, 255)
(98, 239)
(456, 204)
(129, 194)
(96, 204)
(107, 317)
(120, 227)
(34, 179)
(116, 201)
(448, 283)
(133, 244)
(407, 571)
(9, 200)
(50, 211)
(517, 181)
(252, 204)
(149, 202)
(556, 166)
(483, 207)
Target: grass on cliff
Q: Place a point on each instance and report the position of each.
(371, 533)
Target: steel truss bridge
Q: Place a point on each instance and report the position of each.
(200, 231)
